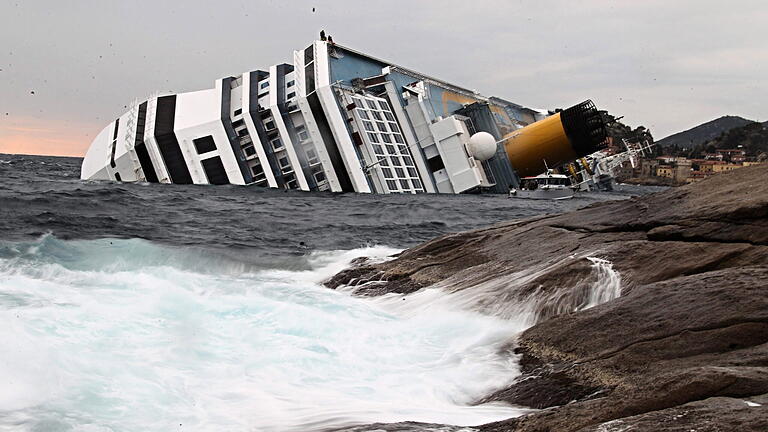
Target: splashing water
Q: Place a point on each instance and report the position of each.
(127, 335)
(511, 298)
(607, 285)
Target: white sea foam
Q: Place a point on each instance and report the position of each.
(502, 297)
(607, 285)
(125, 335)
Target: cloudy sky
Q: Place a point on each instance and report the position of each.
(69, 67)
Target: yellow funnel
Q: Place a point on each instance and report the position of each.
(555, 140)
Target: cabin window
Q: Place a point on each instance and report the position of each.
(238, 111)
(435, 163)
(309, 77)
(311, 156)
(284, 162)
(277, 144)
(204, 144)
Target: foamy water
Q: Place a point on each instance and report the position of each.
(127, 335)
(501, 296)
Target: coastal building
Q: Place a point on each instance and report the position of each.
(334, 119)
(648, 167)
(696, 176)
(627, 171)
(718, 168)
(732, 155)
(708, 166)
(682, 169)
(664, 171)
(711, 168)
(658, 170)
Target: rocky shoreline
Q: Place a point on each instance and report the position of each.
(685, 346)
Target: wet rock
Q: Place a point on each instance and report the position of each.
(709, 415)
(682, 348)
(705, 226)
(662, 345)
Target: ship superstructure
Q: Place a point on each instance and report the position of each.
(334, 120)
(597, 171)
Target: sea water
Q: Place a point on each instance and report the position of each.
(165, 307)
(126, 335)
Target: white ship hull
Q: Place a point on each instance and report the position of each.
(545, 194)
(313, 125)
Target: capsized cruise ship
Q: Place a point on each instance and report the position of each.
(342, 121)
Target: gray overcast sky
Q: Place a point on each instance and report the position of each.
(668, 65)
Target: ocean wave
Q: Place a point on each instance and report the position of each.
(127, 334)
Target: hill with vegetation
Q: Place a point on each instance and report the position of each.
(752, 138)
(694, 137)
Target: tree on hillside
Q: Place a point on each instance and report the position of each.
(619, 131)
(753, 138)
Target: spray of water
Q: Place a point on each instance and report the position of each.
(607, 284)
(520, 298)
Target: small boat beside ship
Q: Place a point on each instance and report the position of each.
(547, 185)
(596, 172)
